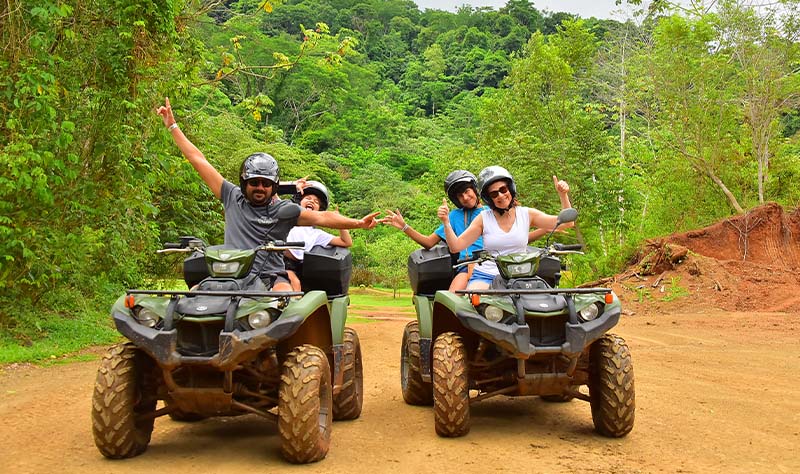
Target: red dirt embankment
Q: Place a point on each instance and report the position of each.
(745, 262)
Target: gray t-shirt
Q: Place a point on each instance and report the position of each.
(248, 226)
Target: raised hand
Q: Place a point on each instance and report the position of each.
(301, 184)
(369, 221)
(393, 218)
(561, 186)
(443, 213)
(165, 111)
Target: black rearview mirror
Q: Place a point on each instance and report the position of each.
(288, 211)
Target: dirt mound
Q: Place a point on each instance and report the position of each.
(746, 262)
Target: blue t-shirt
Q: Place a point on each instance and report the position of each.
(460, 220)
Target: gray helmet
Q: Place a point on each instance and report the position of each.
(259, 165)
(318, 189)
(452, 181)
(488, 176)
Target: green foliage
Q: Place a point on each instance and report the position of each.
(675, 290)
(659, 125)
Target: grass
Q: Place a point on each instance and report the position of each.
(376, 297)
(60, 336)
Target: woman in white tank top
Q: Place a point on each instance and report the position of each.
(505, 226)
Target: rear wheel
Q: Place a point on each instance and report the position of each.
(121, 396)
(305, 407)
(347, 403)
(450, 386)
(611, 387)
(415, 390)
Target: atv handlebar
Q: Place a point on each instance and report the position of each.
(276, 246)
(567, 247)
(553, 249)
(280, 245)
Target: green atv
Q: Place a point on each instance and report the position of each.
(523, 336)
(230, 346)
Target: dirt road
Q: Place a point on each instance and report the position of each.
(715, 392)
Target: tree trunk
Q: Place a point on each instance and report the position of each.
(728, 194)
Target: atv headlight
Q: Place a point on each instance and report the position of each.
(590, 312)
(493, 313)
(225, 268)
(519, 269)
(146, 317)
(259, 319)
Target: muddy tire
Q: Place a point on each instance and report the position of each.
(415, 390)
(611, 387)
(347, 403)
(120, 395)
(305, 407)
(450, 386)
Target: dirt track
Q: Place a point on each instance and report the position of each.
(715, 392)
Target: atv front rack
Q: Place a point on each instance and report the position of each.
(245, 294)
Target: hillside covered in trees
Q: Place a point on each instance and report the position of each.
(664, 122)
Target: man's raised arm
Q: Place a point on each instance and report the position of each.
(206, 171)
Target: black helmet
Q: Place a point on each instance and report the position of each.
(488, 176)
(318, 189)
(259, 165)
(451, 184)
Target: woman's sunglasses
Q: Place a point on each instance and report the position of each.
(264, 183)
(498, 191)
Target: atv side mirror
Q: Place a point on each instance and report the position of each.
(288, 211)
(567, 215)
(287, 187)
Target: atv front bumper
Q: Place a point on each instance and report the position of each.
(234, 346)
(516, 338)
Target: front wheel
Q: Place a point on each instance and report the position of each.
(121, 397)
(347, 403)
(611, 389)
(305, 407)
(415, 390)
(450, 386)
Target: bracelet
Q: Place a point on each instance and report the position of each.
(173, 126)
(405, 227)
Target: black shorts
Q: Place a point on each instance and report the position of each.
(272, 279)
(294, 265)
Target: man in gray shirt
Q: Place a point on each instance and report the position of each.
(253, 214)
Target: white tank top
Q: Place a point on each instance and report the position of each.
(499, 242)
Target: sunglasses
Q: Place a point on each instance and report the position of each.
(256, 182)
(498, 191)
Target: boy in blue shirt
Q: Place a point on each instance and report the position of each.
(461, 187)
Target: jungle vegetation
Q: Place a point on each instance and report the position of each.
(669, 119)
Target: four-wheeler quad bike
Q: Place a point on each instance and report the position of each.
(523, 336)
(230, 346)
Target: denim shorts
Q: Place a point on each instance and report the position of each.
(479, 276)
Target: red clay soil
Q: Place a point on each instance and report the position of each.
(749, 262)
